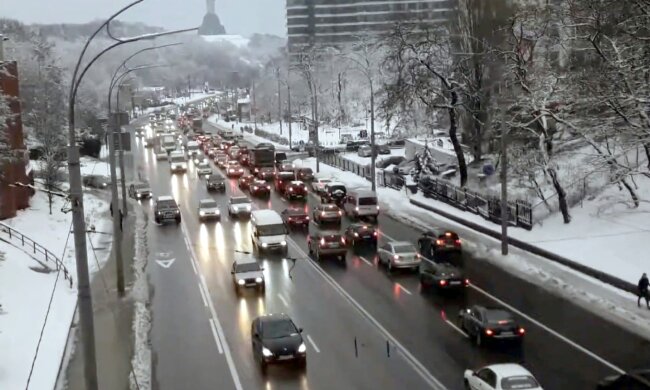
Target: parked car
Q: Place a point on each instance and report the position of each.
(140, 190)
(383, 149)
(483, 324)
(323, 243)
(364, 151)
(398, 254)
(96, 181)
(318, 185)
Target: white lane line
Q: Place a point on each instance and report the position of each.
(283, 300)
(313, 344)
(459, 330)
(196, 272)
(366, 261)
(403, 288)
(203, 296)
(213, 328)
(387, 236)
(219, 329)
(410, 359)
(551, 331)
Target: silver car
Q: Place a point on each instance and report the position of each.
(203, 170)
(246, 272)
(364, 151)
(209, 209)
(239, 205)
(398, 254)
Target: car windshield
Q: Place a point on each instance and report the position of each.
(296, 212)
(241, 200)
(333, 189)
(279, 329)
(204, 166)
(305, 170)
(332, 238)
(166, 204)
(519, 382)
(247, 267)
(208, 204)
(177, 159)
(141, 186)
(371, 201)
(496, 316)
(404, 248)
(216, 178)
(272, 230)
(330, 207)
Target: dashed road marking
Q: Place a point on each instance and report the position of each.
(203, 296)
(213, 328)
(403, 288)
(283, 300)
(313, 344)
(366, 261)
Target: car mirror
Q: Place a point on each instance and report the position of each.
(299, 330)
(261, 268)
(474, 373)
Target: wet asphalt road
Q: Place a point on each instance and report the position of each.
(404, 337)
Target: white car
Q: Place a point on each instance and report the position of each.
(500, 377)
(203, 169)
(246, 272)
(239, 205)
(208, 209)
(319, 184)
(398, 254)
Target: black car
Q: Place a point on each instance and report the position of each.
(433, 242)
(361, 234)
(166, 209)
(259, 188)
(334, 192)
(633, 380)
(489, 324)
(442, 276)
(295, 216)
(245, 182)
(276, 339)
(215, 182)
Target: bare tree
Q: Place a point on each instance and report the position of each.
(6, 117)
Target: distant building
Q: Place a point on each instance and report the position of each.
(211, 24)
(335, 22)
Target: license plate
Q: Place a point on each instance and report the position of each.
(285, 357)
(507, 333)
(449, 245)
(168, 215)
(334, 245)
(454, 283)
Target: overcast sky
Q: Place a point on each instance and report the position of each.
(242, 17)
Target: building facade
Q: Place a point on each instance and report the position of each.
(336, 22)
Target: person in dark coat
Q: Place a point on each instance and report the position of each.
(643, 291)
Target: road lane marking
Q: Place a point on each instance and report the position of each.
(366, 261)
(283, 300)
(456, 328)
(403, 288)
(313, 344)
(203, 296)
(551, 331)
(213, 328)
(387, 236)
(196, 272)
(410, 359)
(215, 320)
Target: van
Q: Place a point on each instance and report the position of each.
(192, 148)
(361, 203)
(268, 233)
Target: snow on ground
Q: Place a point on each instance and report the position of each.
(353, 156)
(194, 98)
(93, 166)
(236, 40)
(613, 241)
(25, 293)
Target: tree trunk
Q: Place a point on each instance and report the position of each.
(49, 200)
(646, 147)
(453, 128)
(561, 195)
(635, 197)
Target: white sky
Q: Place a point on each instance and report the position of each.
(243, 17)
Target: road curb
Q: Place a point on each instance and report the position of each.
(594, 273)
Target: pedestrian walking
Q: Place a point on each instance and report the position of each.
(643, 290)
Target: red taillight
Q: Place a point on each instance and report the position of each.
(443, 282)
(457, 242)
(489, 332)
(322, 214)
(322, 241)
(466, 282)
(439, 242)
(522, 331)
(374, 234)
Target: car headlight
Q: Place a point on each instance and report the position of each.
(266, 352)
(202, 213)
(283, 243)
(302, 348)
(138, 195)
(264, 245)
(241, 282)
(248, 208)
(259, 280)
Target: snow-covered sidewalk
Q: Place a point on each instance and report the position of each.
(615, 242)
(25, 291)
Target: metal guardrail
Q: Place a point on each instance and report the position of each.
(347, 165)
(16, 237)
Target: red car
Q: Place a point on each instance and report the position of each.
(259, 188)
(234, 170)
(295, 217)
(282, 179)
(295, 190)
(266, 173)
(245, 181)
(243, 159)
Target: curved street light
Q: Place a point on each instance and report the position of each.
(86, 321)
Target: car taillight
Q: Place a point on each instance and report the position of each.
(443, 282)
(322, 214)
(457, 242)
(340, 212)
(343, 240)
(439, 242)
(466, 282)
(521, 331)
(489, 332)
(322, 241)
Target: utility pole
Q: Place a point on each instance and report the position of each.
(2, 47)
(373, 155)
(125, 208)
(289, 109)
(280, 103)
(253, 112)
(189, 86)
(317, 146)
(504, 193)
(117, 233)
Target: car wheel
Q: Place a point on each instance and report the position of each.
(478, 339)
(389, 265)
(157, 220)
(466, 385)
(178, 220)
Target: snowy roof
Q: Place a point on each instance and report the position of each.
(152, 89)
(236, 40)
(243, 101)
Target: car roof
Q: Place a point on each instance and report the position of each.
(207, 200)
(297, 182)
(266, 217)
(358, 225)
(164, 198)
(272, 317)
(396, 243)
(335, 183)
(245, 260)
(364, 193)
(508, 369)
(322, 233)
(239, 197)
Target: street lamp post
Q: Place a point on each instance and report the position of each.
(504, 192)
(86, 320)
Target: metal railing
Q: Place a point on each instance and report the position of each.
(37, 250)
(335, 160)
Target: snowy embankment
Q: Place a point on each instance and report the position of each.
(25, 291)
(614, 241)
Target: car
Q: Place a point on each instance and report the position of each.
(266, 173)
(247, 272)
(222, 160)
(96, 181)
(398, 254)
(361, 204)
(281, 180)
(139, 132)
(442, 276)
(361, 234)
(285, 166)
(161, 155)
(504, 376)
(215, 182)
(433, 242)
(632, 380)
(295, 190)
(203, 170)
(353, 146)
(327, 213)
(239, 206)
(140, 190)
(243, 159)
(149, 142)
(166, 209)
(245, 181)
(364, 151)
(484, 324)
(212, 153)
(383, 149)
(304, 174)
(209, 209)
(318, 186)
(277, 339)
(260, 188)
(233, 152)
(234, 169)
(265, 145)
(324, 243)
(334, 192)
(198, 158)
(295, 216)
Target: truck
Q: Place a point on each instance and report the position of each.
(197, 125)
(260, 157)
(168, 142)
